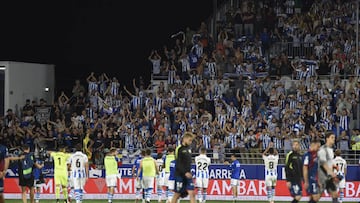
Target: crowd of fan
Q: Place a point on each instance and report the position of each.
(201, 95)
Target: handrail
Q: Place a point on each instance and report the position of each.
(255, 156)
(292, 50)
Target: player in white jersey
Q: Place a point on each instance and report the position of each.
(271, 160)
(340, 171)
(202, 163)
(160, 177)
(79, 172)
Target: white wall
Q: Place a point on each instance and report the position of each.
(27, 81)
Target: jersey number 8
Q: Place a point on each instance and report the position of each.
(271, 165)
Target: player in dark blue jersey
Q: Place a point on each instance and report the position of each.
(26, 164)
(39, 180)
(4, 165)
(138, 180)
(235, 175)
(310, 171)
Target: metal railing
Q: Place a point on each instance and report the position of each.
(292, 50)
(255, 157)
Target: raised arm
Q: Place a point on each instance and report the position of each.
(128, 92)
(266, 150)
(182, 36)
(134, 84)
(106, 77)
(151, 54)
(157, 54)
(88, 79)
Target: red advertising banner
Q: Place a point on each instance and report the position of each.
(218, 189)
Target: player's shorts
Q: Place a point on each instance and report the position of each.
(61, 180)
(148, 182)
(171, 184)
(78, 183)
(111, 180)
(39, 182)
(160, 180)
(270, 180)
(139, 183)
(26, 182)
(183, 184)
(234, 182)
(166, 179)
(342, 183)
(313, 188)
(328, 184)
(1, 185)
(202, 182)
(295, 189)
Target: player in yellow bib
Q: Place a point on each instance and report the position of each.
(60, 172)
(111, 172)
(149, 171)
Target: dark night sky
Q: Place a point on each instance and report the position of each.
(94, 35)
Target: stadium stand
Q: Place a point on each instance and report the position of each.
(275, 71)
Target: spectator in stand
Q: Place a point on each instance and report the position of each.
(10, 118)
(189, 35)
(160, 143)
(77, 88)
(103, 83)
(27, 109)
(265, 42)
(148, 141)
(248, 17)
(343, 142)
(238, 23)
(355, 139)
(155, 59)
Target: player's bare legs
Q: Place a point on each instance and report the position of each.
(234, 192)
